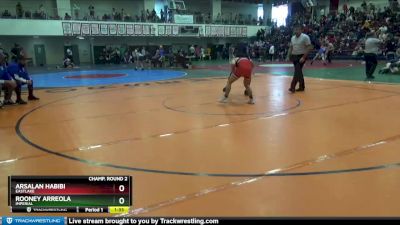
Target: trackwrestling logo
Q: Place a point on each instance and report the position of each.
(33, 220)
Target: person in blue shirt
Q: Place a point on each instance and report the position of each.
(7, 83)
(21, 76)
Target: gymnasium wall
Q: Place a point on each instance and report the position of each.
(54, 47)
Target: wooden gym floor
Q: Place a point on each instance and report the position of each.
(330, 151)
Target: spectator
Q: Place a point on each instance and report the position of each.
(106, 17)
(16, 52)
(117, 56)
(122, 14)
(28, 14)
(218, 19)
(91, 12)
(138, 58)
(156, 59)
(391, 48)
(67, 63)
(127, 59)
(202, 53)
(6, 14)
(69, 54)
(153, 15)
(113, 14)
(19, 73)
(19, 10)
(182, 60)
(260, 21)
(271, 52)
(345, 8)
(42, 13)
(148, 15)
(76, 10)
(102, 57)
(67, 17)
(364, 6)
(6, 82)
(192, 51)
(162, 16)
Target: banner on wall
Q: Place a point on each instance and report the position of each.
(227, 32)
(238, 31)
(233, 31)
(208, 31)
(121, 29)
(76, 28)
(106, 29)
(103, 29)
(201, 31)
(85, 27)
(67, 29)
(213, 31)
(138, 29)
(221, 31)
(185, 19)
(129, 29)
(168, 30)
(95, 29)
(161, 30)
(146, 30)
(244, 31)
(175, 30)
(112, 29)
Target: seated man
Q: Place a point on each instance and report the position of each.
(181, 60)
(16, 52)
(6, 82)
(68, 64)
(391, 67)
(138, 58)
(21, 76)
(127, 59)
(321, 54)
(146, 58)
(156, 59)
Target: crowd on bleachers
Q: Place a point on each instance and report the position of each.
(345, 30)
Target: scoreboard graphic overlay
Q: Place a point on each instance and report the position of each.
(89, 194)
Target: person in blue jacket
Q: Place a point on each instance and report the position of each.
(7, 83)
(18, 72)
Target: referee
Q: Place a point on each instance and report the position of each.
(300, 46)
(372, 47)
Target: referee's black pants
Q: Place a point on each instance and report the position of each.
(298, 72)
(371, 62)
